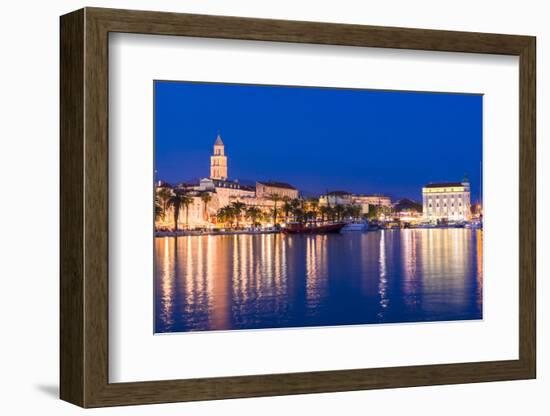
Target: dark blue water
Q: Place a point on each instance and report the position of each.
(276, 281)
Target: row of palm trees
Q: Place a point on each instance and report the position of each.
(308, 210)
(236, 211)
(291, 209)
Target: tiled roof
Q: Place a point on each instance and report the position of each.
(278, 185)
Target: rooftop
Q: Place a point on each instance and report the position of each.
(443, 185)
(220, 183)
(277, 184)
(218, 141)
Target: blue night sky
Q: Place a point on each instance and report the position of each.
(319, 139)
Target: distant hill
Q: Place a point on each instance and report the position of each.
(407, 204)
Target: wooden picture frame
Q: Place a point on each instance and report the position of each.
(84, 207)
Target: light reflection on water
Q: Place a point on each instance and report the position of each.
(272, 280)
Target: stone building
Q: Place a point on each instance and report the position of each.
(375, 200)
(264, 190)
(367, 201)
(199, 211)
(227, 191)
(336, 198)
(449, 201)
(347, 198)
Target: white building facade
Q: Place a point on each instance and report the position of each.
(446, 201)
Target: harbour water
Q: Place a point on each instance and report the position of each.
(226, 282)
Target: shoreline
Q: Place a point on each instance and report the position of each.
(189, 233)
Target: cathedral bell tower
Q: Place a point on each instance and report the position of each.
(218, 161)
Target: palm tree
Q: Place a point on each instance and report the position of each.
(253, 213)
(313, 207)
(372, 213)
(164, 194)
(238, 208)
(265, 216)
(299, 214)
(354, 211)
(272, 216)
(310, 215)
(186, 200)
(226, 214)
(177, 201)
(325, 212)
(296, 204)
(206, 198)
(339, 210)
(159, 212)
(287, 206)
(275, 198)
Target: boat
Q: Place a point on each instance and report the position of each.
(301, 228)
(356, 226)
(392, 225)
(426, 225)
(373, 225)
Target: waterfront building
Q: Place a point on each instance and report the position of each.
(368, 201)
(449, 201)
(336, 198)
(265, 190)
(374, 200)
(218, 161)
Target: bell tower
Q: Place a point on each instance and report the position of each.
(218, 161)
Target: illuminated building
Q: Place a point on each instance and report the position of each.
(376, 200)
(347, 198)
(218, 161)
(366, 201)
(446, 201)
(336, 198)
(266, 190)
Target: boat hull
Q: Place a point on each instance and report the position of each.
(355, 227)
(317, 229)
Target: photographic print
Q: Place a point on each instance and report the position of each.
(292, 206)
